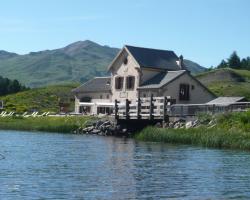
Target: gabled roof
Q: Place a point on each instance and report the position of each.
(154, 58)
(226, 100)
(161, 79)
(97, 84)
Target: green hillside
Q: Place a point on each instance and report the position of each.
(40, 99)
(227, 82)
(79, 61)
(194, 67)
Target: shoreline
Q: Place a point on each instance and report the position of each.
(231, 131)
(67, 124)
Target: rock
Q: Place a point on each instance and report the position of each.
(212, 126)
(196, 123)
(211, 122)
(171, 125)
(189, 125)
(95, 131)
(158, 125)
(177, 125)
(124, 130)
(98, 124)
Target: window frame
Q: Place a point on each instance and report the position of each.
(186, 95)
(121, 82)
(128, 82)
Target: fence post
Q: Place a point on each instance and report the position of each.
(127, 109)
(151, 108)
(181, 110)
(139, 108)
(213, 109)
(116, 109)
(165, 116)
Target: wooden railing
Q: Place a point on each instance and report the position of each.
(195, 109)
(161, 108)
(143, 108)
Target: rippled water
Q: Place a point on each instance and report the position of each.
(59, 166)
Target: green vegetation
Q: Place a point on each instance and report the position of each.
(40, 99)
(65, 124)
(76, 62)
(227, 82)
(235, 62)
(232, 131)
(8, 86)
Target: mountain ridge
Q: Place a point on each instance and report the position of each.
(76, 62)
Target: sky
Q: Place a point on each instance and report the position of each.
(205, 31)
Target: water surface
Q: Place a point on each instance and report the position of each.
(60, 166)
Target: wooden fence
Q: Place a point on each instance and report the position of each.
(162, 108)
(143, 108)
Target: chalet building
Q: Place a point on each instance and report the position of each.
(143, 72)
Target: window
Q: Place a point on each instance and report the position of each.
(85, 99)
(125, 61)
(107, 96)
(130, 80)
(192, 87)
(119, 83)
(101, 96)
(184, 92)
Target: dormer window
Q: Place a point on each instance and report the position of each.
(119, 83)
(130, 80)
(125, 61)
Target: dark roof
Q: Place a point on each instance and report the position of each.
(154, 58)
(161, 79)
(96, 84)
(226, 100)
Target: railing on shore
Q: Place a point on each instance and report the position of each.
(162, 108)
(194, 109)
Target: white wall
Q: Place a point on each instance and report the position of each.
(124, 70)
(95, 97)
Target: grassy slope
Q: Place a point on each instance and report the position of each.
(79, 61)
(48, 124)
(232, 131)
(41, 99)
(227, 86)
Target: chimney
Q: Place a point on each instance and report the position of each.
(181, 63)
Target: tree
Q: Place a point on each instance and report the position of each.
(223, 64)
(8, 86)
(234, 61)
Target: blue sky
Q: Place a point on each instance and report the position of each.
(203, 31)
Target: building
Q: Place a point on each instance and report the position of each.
(143, 72)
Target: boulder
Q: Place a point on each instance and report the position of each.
(189, 125)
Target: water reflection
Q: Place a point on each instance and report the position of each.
(57, 166)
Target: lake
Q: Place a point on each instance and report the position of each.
(61, 166)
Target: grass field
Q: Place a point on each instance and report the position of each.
(40, 99)
(65, 124)
(232, 131)
(225, 82)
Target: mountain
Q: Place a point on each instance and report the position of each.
(76, 62)
(194, 67)
(227, 82)
(6, 55)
